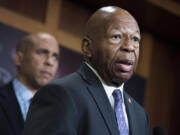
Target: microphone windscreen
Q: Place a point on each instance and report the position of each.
(159, 131)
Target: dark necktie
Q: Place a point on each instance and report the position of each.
(123, 129)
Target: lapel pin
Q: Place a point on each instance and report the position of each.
(129, 100)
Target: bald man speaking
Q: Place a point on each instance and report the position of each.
(92, 101)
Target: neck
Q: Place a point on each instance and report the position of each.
(108, 81)
(24, 82)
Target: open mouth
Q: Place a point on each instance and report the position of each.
(124, 65)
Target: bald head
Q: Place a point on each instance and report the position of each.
(28, 41)
(103, 17)
(111, 44)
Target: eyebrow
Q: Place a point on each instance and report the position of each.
(47, 51)
(137, 31)
(139, 34)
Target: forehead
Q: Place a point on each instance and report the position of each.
(123, 23)
(47, 43)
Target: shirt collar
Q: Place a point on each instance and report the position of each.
(108, 89)
(22, 90)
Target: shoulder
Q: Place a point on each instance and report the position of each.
(61, 87)
(6, 86)
(7, 97)
(68, 82)
(6, 90)
(72, 79)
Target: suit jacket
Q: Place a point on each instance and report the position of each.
(11, 120)
(78, 105)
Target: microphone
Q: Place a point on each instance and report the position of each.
(158, 130)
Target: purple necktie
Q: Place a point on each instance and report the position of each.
(123, 129)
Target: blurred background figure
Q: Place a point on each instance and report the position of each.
(36, 59)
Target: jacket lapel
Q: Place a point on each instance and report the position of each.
(12, 109)
(97, 91)
(105, 108)
(130, 113)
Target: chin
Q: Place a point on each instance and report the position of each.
(43, 82)
(123, 77)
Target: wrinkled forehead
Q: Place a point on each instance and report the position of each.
(123, 24)
(107, 17)
(120, 21)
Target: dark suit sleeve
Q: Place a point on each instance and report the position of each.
(5, 128)
(52, 112)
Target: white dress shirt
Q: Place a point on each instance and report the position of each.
(109, 90)
(23, 95)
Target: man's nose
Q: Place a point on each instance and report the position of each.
(49, 60)
(127, 46)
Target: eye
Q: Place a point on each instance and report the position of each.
(135, 39)
(116, 37)
(55, 57)
(42, 52)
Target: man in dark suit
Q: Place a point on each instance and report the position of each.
(92, 101)
(36, 59)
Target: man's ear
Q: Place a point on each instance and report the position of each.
(18, 58)
(87, 47)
